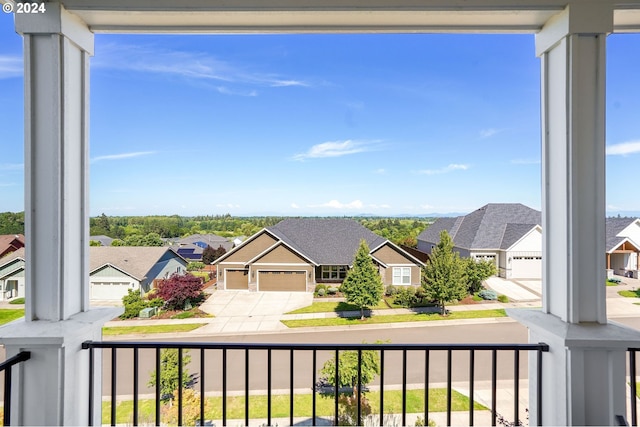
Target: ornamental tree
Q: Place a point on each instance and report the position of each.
(444, 277)
(180, 289)
(363, 285)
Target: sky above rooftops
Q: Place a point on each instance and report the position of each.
(384, 124)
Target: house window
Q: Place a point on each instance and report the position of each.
(334, 272)
(401, 275)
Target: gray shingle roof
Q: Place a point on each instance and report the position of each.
(18, 253)
(493, 226)
(325, 241)
(212, 240)
(613, 227)
(134, 260)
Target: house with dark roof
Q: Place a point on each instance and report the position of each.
(12, 282)
(113, 270)
(192, 247)
(508, 234)
(10, 243)
(298, 253)
(104, 240)
(623, 246)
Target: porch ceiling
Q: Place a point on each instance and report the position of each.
(316, 16)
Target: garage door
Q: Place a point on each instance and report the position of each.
(113, 291)
(290, 281)
(526, 267)
(236, 279)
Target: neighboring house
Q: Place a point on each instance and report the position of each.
(10, 243)
(104, 240)
(12, 282)
(296, 254)
(508, 234)
(191, 247)
(113, 270)
(623, 246)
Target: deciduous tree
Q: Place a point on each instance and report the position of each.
(363, 285)
(169, 372)
(180, 289)
(444, 277)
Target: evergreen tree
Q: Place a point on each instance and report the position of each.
(363, 284)
(208, 255)
(444, 276)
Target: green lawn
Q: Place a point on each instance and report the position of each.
(630, 294)
(334, 306)
(394, 318)
(151, 329)
(8, 315)
(302, 405)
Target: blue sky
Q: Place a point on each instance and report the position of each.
(318, 124)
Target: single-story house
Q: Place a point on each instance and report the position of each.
(113, 270)
(298, 253)
(508, 234)
(192, 247)
(623, 246)
(12, 282)
(10, 243)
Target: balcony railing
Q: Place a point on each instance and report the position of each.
(241, 369)
(6, 367)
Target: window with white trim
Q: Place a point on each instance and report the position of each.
(401, 275)
(334, 272)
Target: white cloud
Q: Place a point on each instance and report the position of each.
(10, 66)
(189, 65)
(11, 167)
(122, 156)
(623, 149)
(295, 206)
(451, 168)
(334, 204)
(380, 171)
(227, 205)
(335, 149)
(525, 161)
(488, 133)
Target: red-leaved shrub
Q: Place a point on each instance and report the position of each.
(180, 289)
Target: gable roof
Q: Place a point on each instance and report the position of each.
(332, 241)
(8, 259)
(613, 227)
(203, 240)
(10, 243)
(493, 226)
(133, 260)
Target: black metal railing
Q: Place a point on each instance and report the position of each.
(6, 367)
(633, 396)
(224, 363)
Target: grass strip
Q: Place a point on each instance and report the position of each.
(630, 294)
(394, 318)
(302, 406)
(333, 306)
(10, 314)
(150, 329)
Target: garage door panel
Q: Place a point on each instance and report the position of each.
(237, 279)
(526, 268)
(283, 281)
(112, 291)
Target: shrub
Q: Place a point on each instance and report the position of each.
(195, 265)
(133, 304)
(321, 292)
(204, 275)
(17, 301)
(332, 291)
(320, 286)
(390, 290)
(406, 296)
(179, 291)
(488, 294)
(503, 298)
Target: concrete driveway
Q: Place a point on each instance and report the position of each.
(243, 311)
(516, 290)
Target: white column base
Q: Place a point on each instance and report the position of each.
(583, 375)
(52, 388)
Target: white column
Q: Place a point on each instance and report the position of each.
(584, 372)
(52, 387)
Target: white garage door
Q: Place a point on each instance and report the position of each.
(113, 291)
(526, 267)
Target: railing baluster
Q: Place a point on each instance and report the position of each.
(180, 380)
(269, 387)
(246, 386)
(404, 387)
(632, 380)
(494, 362)
(224, 386)
(337, 387)
(91, 391)
(313, 388)
(449, 387)
(202, 397)
(426, 387)
(381, 387)
(158, 397)
(516, 386)
(135, 386)
(7, 397)
(113, 386)
(472, 361)
(359, 417)
(291, 387)
(539, 391)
